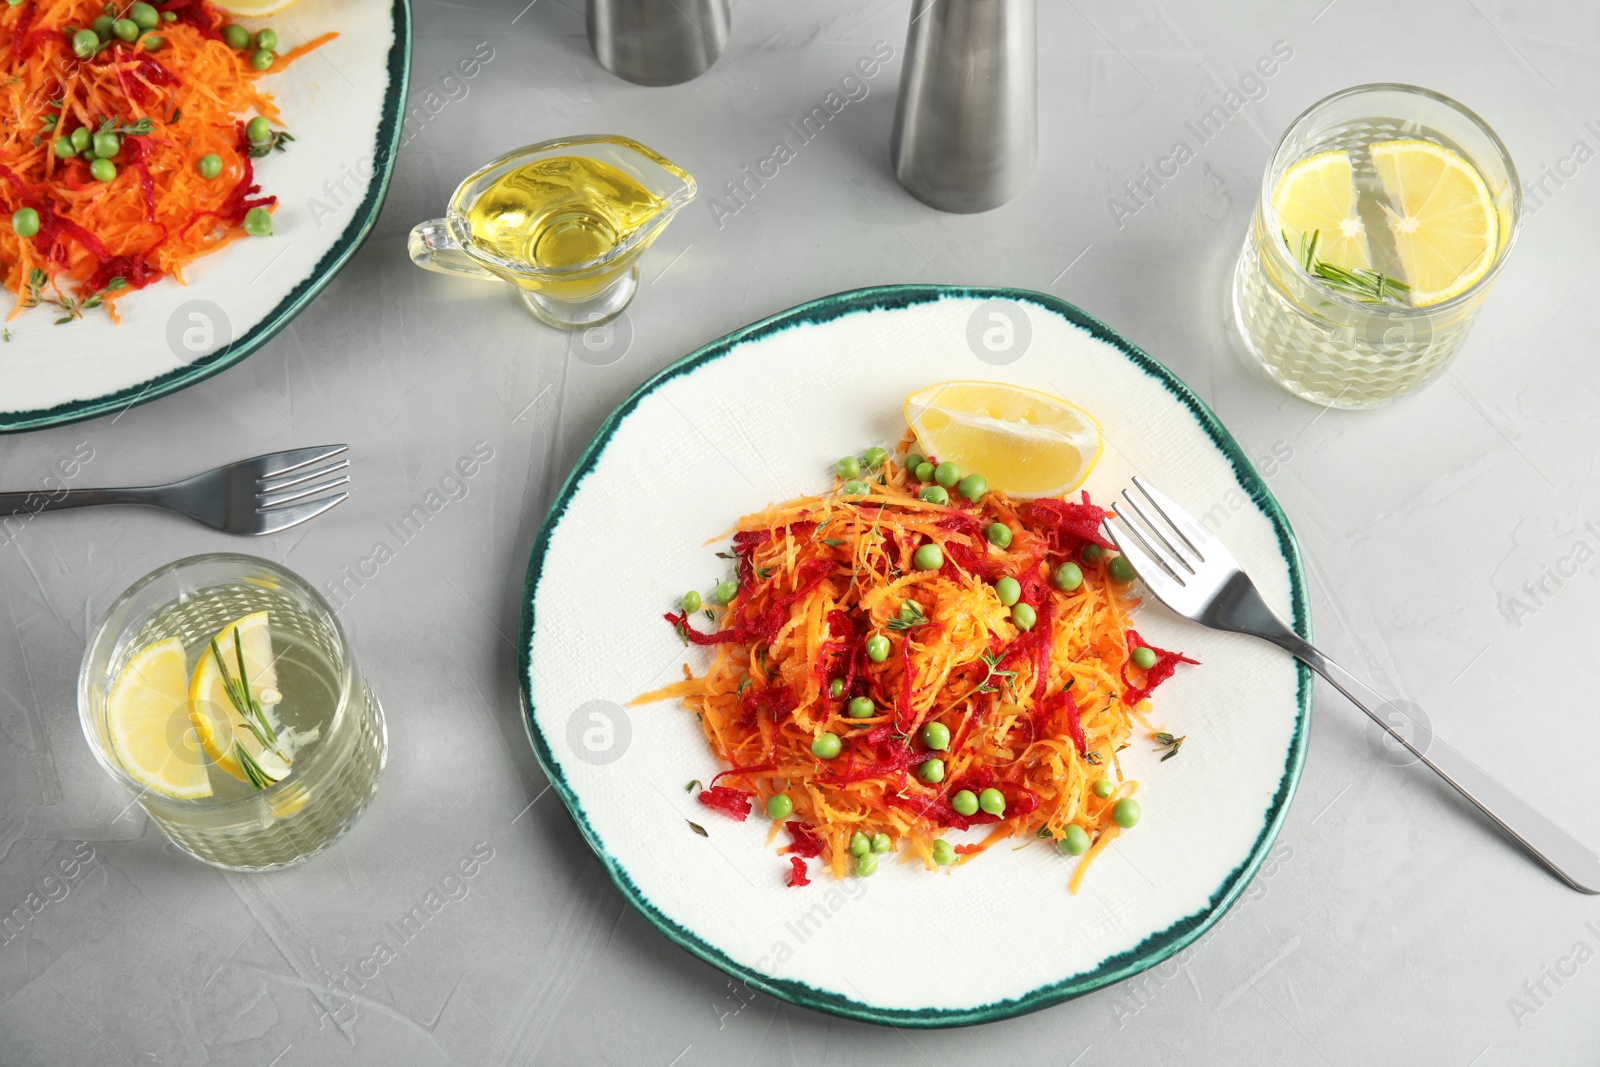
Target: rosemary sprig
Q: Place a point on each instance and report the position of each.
(910, 617)
(1170, 743)
(252, 770)
(250, 711)
(275, 143)
(1367, 286)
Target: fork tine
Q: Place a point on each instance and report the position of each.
(273, 501)
(1186, 526)
(283, 518)
(299, 476)
(295, 458)
(1151, 529)
(1147, 562)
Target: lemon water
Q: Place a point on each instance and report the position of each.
(332, 731)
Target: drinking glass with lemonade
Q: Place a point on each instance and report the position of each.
(1385, 217)
(220, 692)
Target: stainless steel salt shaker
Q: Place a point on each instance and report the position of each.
(657, 42)
(966, 125)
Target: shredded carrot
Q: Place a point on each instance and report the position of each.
(1037, 714)
(170, 106)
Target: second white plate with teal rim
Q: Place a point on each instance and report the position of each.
(343, 103)
(759, 417)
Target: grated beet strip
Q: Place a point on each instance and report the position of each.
(1166, 663)
(730, 801)
(797, 873)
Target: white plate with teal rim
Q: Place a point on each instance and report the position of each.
(759, 417)
(344, 105)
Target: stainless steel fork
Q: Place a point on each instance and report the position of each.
(1195, 575)
(260, 495)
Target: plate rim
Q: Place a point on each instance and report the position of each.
(1156, 947)
(355, 234)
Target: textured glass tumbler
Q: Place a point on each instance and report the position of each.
(1334, 349)
(332, 781)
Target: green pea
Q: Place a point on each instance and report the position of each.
(169, 16)
(1104, 787)
(125, 29)
(154, 43)
(261, 59)
(1092, 554)
(877, 648)
(144, 16)
(874, 457)
(862, 708)
(1121, 570)
(1144, 658)
(826, 746)
(691, 599)
(836, 688)
(913, 461)
(866, 865)
(881, 843)
(924, 471)
(1075, 842)
(85, 43)
(103, 170)
(1023, 617)
(973, 486)
(267, 39)
(1126, 812)
(935, 494)
(107, 145)
(779, 806)
(947, 474)
(726, 591)
(80, 138)
(999, 535)
(992, 801)
(943, 854)
(25, 221)
(259, 130)
(855, 488)
(928, 558)
(64, 149)
(1067, 577)
(936, 736)
(104, 25)
(860, 844)
(848, 467)
(931, 770)
(1009, 590)
(965, 802)
(236, 37)
(258, 222)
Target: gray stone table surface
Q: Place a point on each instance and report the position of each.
(1451, 542)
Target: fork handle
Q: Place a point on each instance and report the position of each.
(1567, 857)
(44, 500)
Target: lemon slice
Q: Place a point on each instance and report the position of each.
(1446, 230)
(1319, 194)
(254, 9)
(217, 723)
(147, 722)
(1023, 442)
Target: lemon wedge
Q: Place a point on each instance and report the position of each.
(147, 722)
(254, 9)
(1446, 230)
(1319, 194)
(217, 723)
(1025, 442)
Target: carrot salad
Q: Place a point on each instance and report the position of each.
(87, 225)
(904, 656)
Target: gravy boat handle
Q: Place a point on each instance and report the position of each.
(432, 247)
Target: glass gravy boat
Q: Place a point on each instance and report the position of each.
(565, 221)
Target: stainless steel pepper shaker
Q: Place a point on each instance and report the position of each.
(657, 42)
(966, 124)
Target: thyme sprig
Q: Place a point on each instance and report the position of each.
(1170, 743)
(274, 143)
(991, 660)
(1367, 286)
(910, 616)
